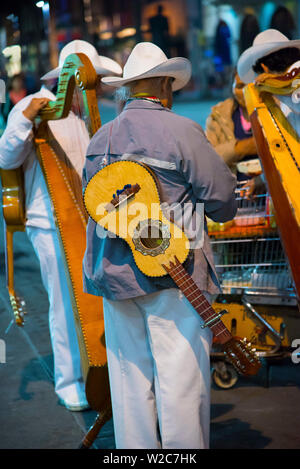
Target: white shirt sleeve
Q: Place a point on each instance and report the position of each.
(16, 141)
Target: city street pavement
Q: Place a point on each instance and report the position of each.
(250, 415)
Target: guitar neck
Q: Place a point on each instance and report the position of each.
(196, 298)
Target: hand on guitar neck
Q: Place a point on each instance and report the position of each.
(238, 352)
(34, 107)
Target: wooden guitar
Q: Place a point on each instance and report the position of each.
(123, 198)
(13, 206)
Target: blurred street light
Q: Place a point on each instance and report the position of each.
(127, 32)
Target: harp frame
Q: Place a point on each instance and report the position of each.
(14, 219)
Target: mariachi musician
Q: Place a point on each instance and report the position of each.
(17, 148)
(271, 68)
(158, 355)
(272, 53)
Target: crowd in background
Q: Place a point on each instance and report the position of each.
(219, 73)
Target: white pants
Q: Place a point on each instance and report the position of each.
(67, 367)
(159, 370)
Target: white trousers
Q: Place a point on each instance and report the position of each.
(159, 370)
(67, 368)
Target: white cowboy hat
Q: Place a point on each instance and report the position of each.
(103, 65)
(148, 60)
(265, 43)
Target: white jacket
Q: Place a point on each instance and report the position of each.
(17, 148)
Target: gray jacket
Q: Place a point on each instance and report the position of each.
(188, 171)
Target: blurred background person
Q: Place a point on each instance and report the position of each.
(159, 27)
(248, 31)
(283, 21)
(228, 129)
(222, 53)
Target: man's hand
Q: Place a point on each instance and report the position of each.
(34, 107)
(253, 187)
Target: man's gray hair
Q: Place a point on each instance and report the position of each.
(123, 94)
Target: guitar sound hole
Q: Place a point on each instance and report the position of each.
(151, 237)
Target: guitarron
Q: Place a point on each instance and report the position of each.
(13, 206)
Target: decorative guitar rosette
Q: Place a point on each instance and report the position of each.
(159, 246)
(151, 237)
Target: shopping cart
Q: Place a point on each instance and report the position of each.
(254, 274)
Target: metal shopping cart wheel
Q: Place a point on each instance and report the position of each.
(224, 375)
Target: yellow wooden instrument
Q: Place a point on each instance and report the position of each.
(123, 198)
(64, 186)
(13, 206)
(278, 147)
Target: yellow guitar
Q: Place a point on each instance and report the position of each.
(13, 205)
(123, 198)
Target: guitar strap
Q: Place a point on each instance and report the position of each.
(106, 159)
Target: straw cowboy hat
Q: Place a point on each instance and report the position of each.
(103, 65)
(148, 60)
(265, 43)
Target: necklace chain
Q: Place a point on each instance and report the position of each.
(152, 99)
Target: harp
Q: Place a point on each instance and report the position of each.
(64, 188)
(278, 147)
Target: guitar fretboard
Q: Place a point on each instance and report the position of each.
(194, 295)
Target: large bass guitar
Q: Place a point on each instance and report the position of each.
(123, 198)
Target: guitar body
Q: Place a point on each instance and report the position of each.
(133, 216)
(13, 196)
(123, 198)
(279, 150)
